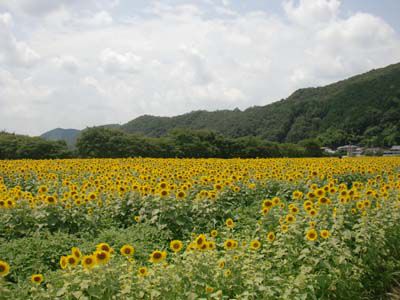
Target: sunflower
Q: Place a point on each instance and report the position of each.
(104, 247)
(164, 193)
(297, 195)
(221, 264)
(192, 246)
(214, 233)
(290, 218)
(360, 205)
(209, 289)
(229, 223)
(157, 256)
(72, 260)
(143, 272)
(324, 233)
(323, 200)
(227, 273)
(367, 203)
(63, 262)
(211, 245)
(88, 261)
(42, 189)
(51, 200)
(77, 253)
(276, 200)
(4, 268)
(271, 236)
(218, 187)
(92, 196)
(312, 235)
(102, 257)
(127, 250)
(267, 203)
(255, 245)
(180, 195)
(230, 244)
(176, 246)
(37, 278)
(200, 241)
(320, 192)
(265, 211)
(312, 212)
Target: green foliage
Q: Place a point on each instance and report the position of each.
(14, 146)
(337, 114)
(102, 142)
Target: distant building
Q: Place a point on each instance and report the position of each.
(351, 150)
(394, 151)
(374, 151)
(328, 150)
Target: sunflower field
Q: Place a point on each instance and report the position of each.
(322, 228)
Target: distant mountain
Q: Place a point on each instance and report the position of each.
(68, 135)
(363, 109)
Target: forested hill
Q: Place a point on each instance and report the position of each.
(363, 109)
(68, 135)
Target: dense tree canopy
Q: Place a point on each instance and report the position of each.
(14, 146)
(104, 142)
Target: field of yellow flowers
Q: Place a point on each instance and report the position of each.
(324, 228)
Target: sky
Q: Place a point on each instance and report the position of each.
(73, 63)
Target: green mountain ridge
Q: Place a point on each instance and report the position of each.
(70, 136)
(362, 109)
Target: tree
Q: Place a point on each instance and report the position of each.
(312, 148)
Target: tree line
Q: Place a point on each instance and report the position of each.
(13, 146)
(103, 142)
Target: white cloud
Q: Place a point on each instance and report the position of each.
(102, 66)
(41, 8)
(226, 2)
(12, 51)
(93, 83)
(67, 62)
(312, 12)
(101, 18)
(6, 19)
(114, 62)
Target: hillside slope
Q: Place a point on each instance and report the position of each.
(364, 108)
(68, 135)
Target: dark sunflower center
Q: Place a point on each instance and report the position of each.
(37, 278)
(157, 255)
(2, 268)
